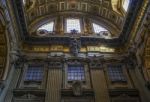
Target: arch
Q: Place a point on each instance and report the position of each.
(105, 23)
(3, 47)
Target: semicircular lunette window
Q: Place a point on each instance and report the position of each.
(126, 4)
(45, 29)
(101, 31)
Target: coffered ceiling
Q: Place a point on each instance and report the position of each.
(109, 13)
(102, 10)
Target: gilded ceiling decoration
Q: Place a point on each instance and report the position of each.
(102, 10)
(114, 20)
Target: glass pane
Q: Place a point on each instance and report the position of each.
(76, 72)
(48, 26)
(98, 28)
(116, 73)
(73, 24)
(34, 73)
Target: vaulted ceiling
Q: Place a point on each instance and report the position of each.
(103, 11)
(109, 13)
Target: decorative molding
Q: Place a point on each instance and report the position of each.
(36, 92)
(69, 93)
(124, 91)
(127, 95)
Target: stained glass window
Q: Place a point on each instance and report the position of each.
(73, 24)
(34, 73)
(76, 72)
(116, 74)
(126, 4)
(98, 28)
(48, 27)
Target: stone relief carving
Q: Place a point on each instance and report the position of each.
(74, 46)
(77, 88)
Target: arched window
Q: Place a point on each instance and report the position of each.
(98, 28)
(73, 25)
(48, 27)
(126, 4)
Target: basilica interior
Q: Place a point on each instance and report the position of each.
(74, 51)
